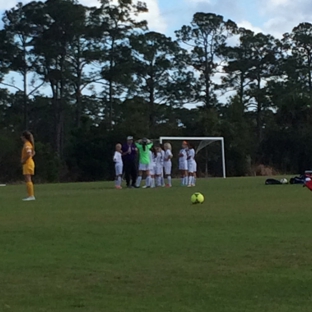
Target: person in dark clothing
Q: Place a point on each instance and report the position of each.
(129, 153)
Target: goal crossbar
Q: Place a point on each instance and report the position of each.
(210, 139)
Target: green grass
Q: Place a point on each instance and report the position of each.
(88, 247)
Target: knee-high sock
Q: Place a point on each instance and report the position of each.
(148, 181)
(152, 182)
(169, 180)
(30, 189)
(138, 181)
(119, 181)
(190, 180)
(158, 181)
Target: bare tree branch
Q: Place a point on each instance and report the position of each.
(10, 85)
(36, 88)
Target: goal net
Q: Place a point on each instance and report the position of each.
(209, 161)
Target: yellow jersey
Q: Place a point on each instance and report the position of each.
(26, 148)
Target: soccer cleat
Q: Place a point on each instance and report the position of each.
(118, 187)
(189, 185)
(29, 198)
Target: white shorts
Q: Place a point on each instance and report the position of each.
(118, 169)
(183, 165)
(159, 170)
(195, 166)
(167, 167)
(191, 167)
(144, 167)
(152, 170)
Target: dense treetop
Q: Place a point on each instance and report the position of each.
(91, 76)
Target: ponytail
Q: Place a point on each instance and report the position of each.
(29, 137)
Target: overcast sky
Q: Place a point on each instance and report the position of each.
(270, 16)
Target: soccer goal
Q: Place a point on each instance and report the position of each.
(202, 143)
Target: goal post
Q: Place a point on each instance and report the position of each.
(204, 141)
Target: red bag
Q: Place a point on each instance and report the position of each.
(308, 183)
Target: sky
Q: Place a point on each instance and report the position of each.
(269, 16)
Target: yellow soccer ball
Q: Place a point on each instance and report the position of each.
(197, 198)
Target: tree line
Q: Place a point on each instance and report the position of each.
(86, 77)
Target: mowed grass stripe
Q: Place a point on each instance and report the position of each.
(88, 247)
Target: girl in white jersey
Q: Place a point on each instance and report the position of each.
(162, 180)
(183, 163)
(159, 165)
(118, 166)
(191, 165)
(167, 163)
(195, 171)
(152, 165)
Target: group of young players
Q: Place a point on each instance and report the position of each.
(155, 163)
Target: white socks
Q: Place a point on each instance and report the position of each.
(148, 181)
(169, 180)
(138, 181)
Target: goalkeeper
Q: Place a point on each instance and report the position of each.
(144, 147)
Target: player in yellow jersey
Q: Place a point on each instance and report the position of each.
(28, 152)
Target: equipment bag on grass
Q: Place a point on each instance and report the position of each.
(297, 180)
(308, 183)
(273, 182)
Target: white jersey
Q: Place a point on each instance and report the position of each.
(159, 159)
(183, 159)
(159, 163)
(168, 156)
(118, 163)
(167, 162)
(117, 158)
(191, 160)
(152, 161)
(162, 157)
(191, 155)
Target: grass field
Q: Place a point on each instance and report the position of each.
(88, 247)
